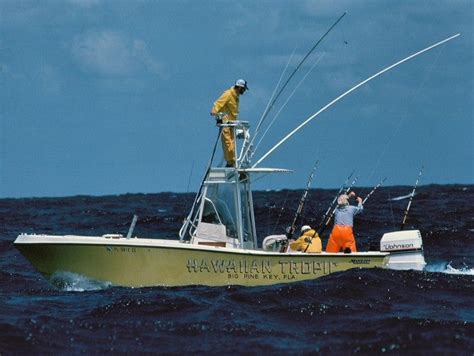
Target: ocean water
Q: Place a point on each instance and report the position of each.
(353, 312)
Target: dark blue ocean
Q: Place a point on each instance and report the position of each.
(354, 312)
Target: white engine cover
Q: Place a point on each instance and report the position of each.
(274, 243)
(401, 241)
(405, 248)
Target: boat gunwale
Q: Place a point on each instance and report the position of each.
(174, 244)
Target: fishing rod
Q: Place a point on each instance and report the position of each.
(334, 200)
(373, 190)
(321, 229)
(269, 107)
(411, 198)
(312, 117)
(292, 228)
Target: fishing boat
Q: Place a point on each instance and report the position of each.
(217, 244)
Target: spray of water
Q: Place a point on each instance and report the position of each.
(446, 267)
(73, 282)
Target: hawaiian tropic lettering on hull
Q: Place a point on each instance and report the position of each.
(260, 269)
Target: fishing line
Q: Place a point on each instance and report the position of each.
(288, 99)
(281, 212)
(344, 36)
(391, 207)
(183, 229)
(278, 83)
(249, 146)
(404, 116)
(187, 188)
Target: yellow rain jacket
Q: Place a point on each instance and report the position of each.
(228, 103)
(304, 240)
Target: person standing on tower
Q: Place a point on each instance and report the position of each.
(226, 109)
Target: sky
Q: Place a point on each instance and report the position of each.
(110, 97)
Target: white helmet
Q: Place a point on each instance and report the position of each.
(305, 228)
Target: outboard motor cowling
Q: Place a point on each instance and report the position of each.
(274, 243)
(405, 248)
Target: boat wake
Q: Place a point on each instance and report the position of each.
(73, 282)
(446, 267)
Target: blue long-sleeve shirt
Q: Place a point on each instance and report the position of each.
(344, 215)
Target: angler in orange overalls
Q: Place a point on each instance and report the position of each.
(342, 236)
(228, 104)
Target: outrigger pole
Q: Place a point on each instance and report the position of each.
(292, 228)
(350, 91)
(269, 107)
(272, 103)
(411, 198)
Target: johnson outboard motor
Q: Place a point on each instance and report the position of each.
(405, 248)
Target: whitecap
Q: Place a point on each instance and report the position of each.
(73, 282)
(445, 267)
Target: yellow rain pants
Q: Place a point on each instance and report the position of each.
(228, 103)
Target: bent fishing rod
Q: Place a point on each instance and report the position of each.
(327, 106)
(292, 228)
(411, 198)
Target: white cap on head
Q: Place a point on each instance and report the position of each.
(241, 83)
(305, 228)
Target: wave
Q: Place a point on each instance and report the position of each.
(446, 267)
(73, 282)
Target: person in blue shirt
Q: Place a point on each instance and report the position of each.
(342, 235)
